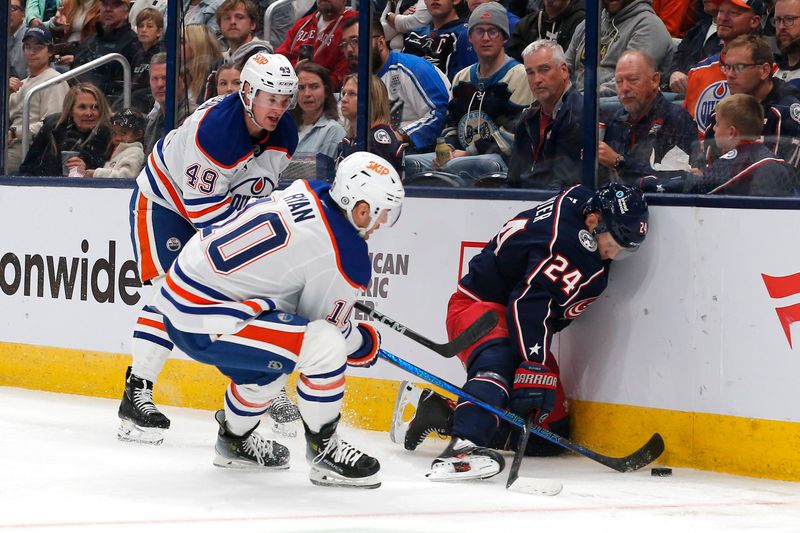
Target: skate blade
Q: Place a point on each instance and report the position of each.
(408, 394)
(238, 464)
(332, 479)
(532, 485)
(477, 470)
(131, 432)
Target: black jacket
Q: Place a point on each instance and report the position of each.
(555, 162)
(44, 156)
(537, 25)
(108, 77)
(694, 48)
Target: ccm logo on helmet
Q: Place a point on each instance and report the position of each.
(377, 168)
(261, 59)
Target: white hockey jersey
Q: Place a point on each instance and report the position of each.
(209, 167)
(294, 251)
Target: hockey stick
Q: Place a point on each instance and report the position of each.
(529, 485)
(483, 325)
(642, 457)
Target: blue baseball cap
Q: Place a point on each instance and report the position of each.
(40, 33)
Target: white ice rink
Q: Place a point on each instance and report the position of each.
(64, 470)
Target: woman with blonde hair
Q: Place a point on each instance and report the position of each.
(82, 127)
(201, 53)
(382, 140)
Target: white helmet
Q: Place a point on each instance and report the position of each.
(362, 176)
(271, 73)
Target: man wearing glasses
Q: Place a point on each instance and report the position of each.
(706, 84)
(16, 59)
(787, 34)
(748, 68)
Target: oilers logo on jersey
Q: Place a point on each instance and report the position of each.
(707, 102)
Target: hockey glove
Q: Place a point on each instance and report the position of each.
(534, 388)
(367, 355)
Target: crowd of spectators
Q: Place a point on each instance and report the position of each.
(462, 92)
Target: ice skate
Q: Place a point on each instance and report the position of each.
(250, 451)
(284, 415)
(462, 460)
(140, 419)
(432, 413)
(337, 463)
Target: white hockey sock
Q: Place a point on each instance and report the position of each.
(245, 403)
(151, 345)
(319, 398)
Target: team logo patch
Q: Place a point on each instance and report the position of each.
(382, 137)
(587, 240)
(730, 155)
(707, 102)
(574, 310)
(284, 317)
(173, 244)
(275, 365)
(794, 111)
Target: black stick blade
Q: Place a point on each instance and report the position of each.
(642, 457)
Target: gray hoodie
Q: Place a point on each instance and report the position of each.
(636, 26)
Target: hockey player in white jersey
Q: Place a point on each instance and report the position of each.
(270, 292)
(231, 149)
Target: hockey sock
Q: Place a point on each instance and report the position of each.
(320, 397)
(245, 403)
(151, 345)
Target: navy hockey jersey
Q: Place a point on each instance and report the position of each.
(543, 266)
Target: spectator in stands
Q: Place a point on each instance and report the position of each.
(316, 37)
(77, 19)
(513, 19)
(282, 17)
(202, 54)
(139, 5)
(438, 41)
(677, 15)
(82, 126)
(225, 80)
(382, 139)
(548, 140)
(787, 29)
(317, 112)
(127, 156)
(624, 24)
(488, 100)
(202, 12)
(649, 135)
(37, 45)
(701, 41)
(41, 12)
(556, 21)
(114, 35)
(16, 31)
(149, 27)
(706, 85)
(418, 91)
(747, 168)
(748, 68)
(238, 20)
(400, 17)
(154, 129)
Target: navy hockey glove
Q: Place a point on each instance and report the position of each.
(367, 355)
(534, 388)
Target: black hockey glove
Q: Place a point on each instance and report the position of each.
(534, 388)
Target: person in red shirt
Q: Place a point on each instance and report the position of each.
(316, 37)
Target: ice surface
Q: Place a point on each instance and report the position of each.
(63, 469)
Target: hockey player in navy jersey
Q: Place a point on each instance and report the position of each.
(270, 292)
(542, 270)
(231, 149)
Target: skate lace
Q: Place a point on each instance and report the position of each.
(258, 447)
(341, 451)
(143, 399)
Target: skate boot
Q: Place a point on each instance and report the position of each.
(462, 460)
(284, 415)
(140, 419)
(337, 463)
(250, 451)
(433, 413)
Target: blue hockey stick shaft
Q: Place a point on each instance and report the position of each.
(638, 459)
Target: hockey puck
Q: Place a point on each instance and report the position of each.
(660, 472)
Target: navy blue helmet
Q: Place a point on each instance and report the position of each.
(624, 212)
